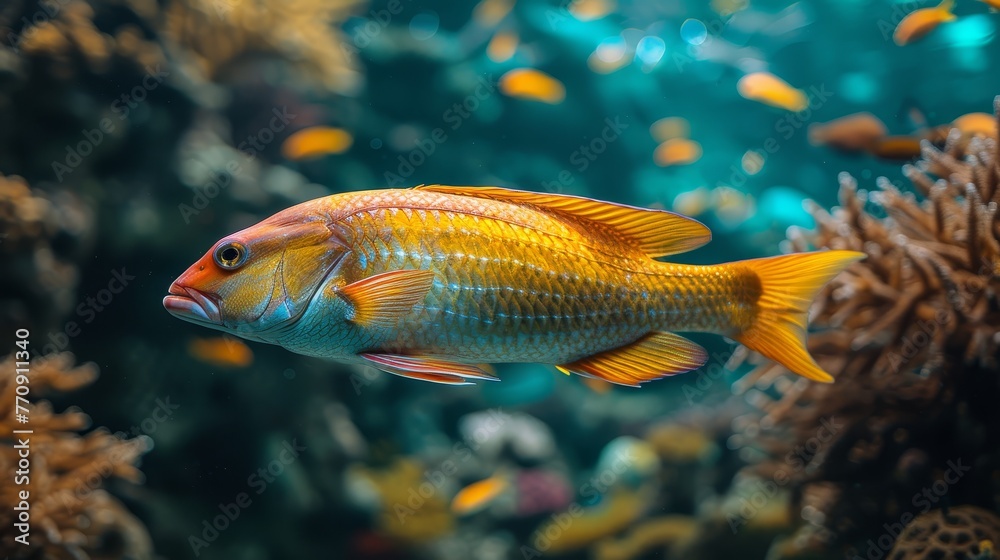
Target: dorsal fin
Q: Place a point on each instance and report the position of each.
(655, 232)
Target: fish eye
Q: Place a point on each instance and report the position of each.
(231, 255)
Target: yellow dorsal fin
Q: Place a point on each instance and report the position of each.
(657, 233)
(656, 355)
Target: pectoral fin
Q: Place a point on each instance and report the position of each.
(381, 300)
(653, 356)
(428, 368)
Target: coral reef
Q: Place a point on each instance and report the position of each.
(219, 33)
(962, 532)
(71, 516)
(911, 335)
(41, 236)
(668, 532)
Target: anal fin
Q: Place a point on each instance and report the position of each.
(655, 355)
(429, 368)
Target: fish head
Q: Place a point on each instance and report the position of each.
(260, 280)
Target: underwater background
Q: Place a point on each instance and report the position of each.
(136, 133)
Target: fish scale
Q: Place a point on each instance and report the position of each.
(514, 307)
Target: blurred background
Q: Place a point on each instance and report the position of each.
(136, 133)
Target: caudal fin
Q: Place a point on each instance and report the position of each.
(789, 284)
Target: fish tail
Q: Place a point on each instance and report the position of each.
(947, 6)
(788, 285)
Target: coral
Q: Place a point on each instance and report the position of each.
(911, 335)
(618, 510)
(668, 532)
(676, 443)
(71, 516)
(40, 236)
(957, 533)
(412, 510)
(220, 32)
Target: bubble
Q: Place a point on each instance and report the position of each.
(693, 32)
(424, 25)
(611, 49)
(650, 49)
(289, 373)
(376, 143)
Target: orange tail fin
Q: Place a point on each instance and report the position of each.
(789, 284)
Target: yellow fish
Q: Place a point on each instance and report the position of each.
(433, 282)
(772, 90)
(528, 83)
(478, 495)
(222, 351)
(316, 141)
(920, 22)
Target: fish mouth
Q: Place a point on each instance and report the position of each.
(191, 305)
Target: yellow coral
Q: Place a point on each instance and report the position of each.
(671, 531)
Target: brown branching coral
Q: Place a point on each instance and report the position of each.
(912, 336)
(220, 32)
(39, 235)
(962, 532)
(70, 515)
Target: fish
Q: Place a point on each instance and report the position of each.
(502, 46)
(437, 282)
(677, 151)
(535, 85)
(993, 4)
(222, 351)
(478, 495)
(669, 128)
(858, 132)
(977, 124)
(772, 90)
(316, 141)
(897, 147)
(919, 23)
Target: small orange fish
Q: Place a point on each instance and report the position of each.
(490, 12)
(677, 151)
(596, 385)
(769, 89)
(476, 496)
(897, 147)
(919, 23)
(528, 83)
(224, 351)
(977, 124)
(316, 141)
(502, 46)
(852, 133)
(669, 128)
(434, 282)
